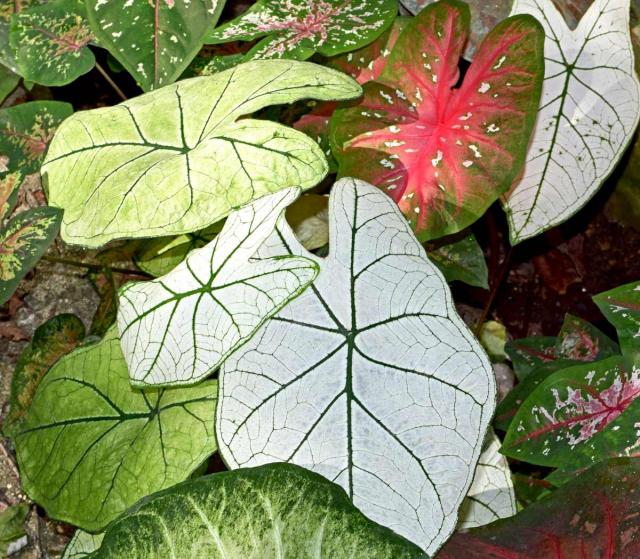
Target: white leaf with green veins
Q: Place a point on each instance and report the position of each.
(369, 378)
(180, 328)
(588, 113)
(178, 159)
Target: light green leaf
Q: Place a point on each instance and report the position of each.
(12, 525)
(462, 260)
(369, 377)
(90, 445)
(155, 40)
(50, 42)
(493, 337)
(270, 512)
(22, 242)
(177, 160)
(82, 544)
(218, 295)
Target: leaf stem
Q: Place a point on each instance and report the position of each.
(97, 267)
(113, 84)
(494, 291)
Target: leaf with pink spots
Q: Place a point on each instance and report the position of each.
(445, 154)
(299, 28)
(581, 341)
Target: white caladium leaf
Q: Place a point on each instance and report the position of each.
(589, 110)
(491, 495)
(179, 328)
(180, 158)
(369, 378)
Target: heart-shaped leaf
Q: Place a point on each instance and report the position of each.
(218, 294)
(270, 512)
(370, 377)
(22, 242)
(90, 445)
(299, 28)
(594, 516)
(82, 544)
(589, 110)
(445, 154)
(177, 160)
(155, 40)
(50, 42)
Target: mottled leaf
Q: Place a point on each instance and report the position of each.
(445, 153)
(579, 340)
(527, 354)
(177, 160)
(154, 40)
(299, 28)
(462, 260)
(90, 445)
(82, 544)
(593, 517)
(9, 185)
(51, 340)
(369, 378)
(589, 110)
(270, 512)
(7, 9)
(50, 42)
(22, 242)
(219, 295)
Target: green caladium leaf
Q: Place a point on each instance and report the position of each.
(22, 242)
(445, 153)
(50, 42)
(177, 160)
(270, 512)
(51, 340)
(527, 354)
(90, 445)
(355, 375)
(9, 185)
(299, 28)
(218, 294)
(155, 41)
(491, 495)
(462, 260)
(589, 111)
(8, 80)
(581, 341)
(12, 521)
(621, 306)
(82, 544)
(26, 130)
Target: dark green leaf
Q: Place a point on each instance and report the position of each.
(527, 354)
(581, 341)
(462, 260)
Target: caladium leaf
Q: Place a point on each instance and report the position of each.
(299, 28)
(90, 445)
(8, 79)
(581, 341)
(491, 495)
(177, 160)
(367, 376)
(621, 306)
(462, 260)
(445, 154)
(527, 354)
(7, 9)
(22, 242)
(156, 40)
(50, 42)
(26, 130)
(270, 512)
(51, 340)
(82, 544)
(9, 185)
(218, 294)
(593, 516)
(589, 110)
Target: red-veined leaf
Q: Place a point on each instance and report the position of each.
(445, 153)
(528, 353)
(581, 341)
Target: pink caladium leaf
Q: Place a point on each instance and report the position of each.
(445, 153)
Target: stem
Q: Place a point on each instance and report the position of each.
(111, 82)
(494, 291)
(97, 267)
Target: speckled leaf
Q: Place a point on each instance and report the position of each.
(491, 495)
(50, 42)
(9, 185)
(270, 512)
(154, 40)
(177, 160)
(621, 306)
(299, 28)
(26, 130)
(527, 354)
(581, 341)
(462, 260)
(219, 295)
(594, 517)
(369, 378)
(51, 340)
(90, 445)
(7, 9)
(589, 110)
(22, 242)
(82, 544)
(444, 153)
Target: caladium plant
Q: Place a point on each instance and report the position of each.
(82, 544)
(445, 153)
(589, 111)
(369, 377)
